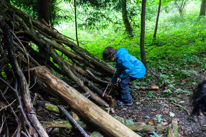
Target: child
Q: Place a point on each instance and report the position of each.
(129, 68)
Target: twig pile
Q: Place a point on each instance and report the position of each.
(26, 43)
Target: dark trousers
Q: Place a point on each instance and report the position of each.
(123, 88)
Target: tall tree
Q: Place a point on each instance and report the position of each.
(44, 10)
(75, 15)
(125, 18)
(203, 8)
(143, 56)
(158, 13)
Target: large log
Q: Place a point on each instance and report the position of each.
(173, 130)
(83, 106)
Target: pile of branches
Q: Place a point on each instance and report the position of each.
(26, 44)
(42, 72)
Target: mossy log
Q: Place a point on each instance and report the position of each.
(61, 124)
(148, 128)
(173, 130)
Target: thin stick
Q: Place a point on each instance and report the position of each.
(7, 105)
(181, 107)
(105, 89)
(107, 85)
(26, 54)
(109, 92)
(73, 121)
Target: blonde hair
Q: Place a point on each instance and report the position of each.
(109, 52)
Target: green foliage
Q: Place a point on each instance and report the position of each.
(150, 94)
(173, 99)
(3, 74)
(31, 7)
(179, 45)
(174, 43)
(167, 92)
(158, 118)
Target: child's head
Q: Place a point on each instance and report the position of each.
(109, 54)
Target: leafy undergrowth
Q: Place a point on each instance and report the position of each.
(170, 102)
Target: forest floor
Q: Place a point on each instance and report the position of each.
(157, 107)
(171, 102)
(153, 108)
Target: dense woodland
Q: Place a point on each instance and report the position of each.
(53, 81)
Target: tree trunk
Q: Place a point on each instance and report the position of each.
(125, 18)
(158, 13)
(203, 8)
(143, 56)
(82, 106)
(44, 10)
(75, 15)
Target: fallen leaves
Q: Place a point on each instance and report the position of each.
(152, 122)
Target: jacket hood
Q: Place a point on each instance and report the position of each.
(121, 51)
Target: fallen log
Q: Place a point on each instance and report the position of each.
(82, 106)
(144, 87)
(96, 134)
(137, 126)
(148, 128)
(47, 106)
(173, 130)
(61, 124)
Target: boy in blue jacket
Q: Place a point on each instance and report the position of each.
(129, 68)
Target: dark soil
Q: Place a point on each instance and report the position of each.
(145, 109)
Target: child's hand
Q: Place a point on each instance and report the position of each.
(118, 79)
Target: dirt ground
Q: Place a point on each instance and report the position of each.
(151, 109)
(146, 109)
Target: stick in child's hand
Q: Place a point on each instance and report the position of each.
(105, 89)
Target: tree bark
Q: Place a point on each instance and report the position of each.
(158, 13)
(125, 18)
(75, 15)
(82, 106)
(203, 8)
(142, 50)
(44, 10)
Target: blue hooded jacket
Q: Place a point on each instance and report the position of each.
(127, 65)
